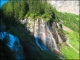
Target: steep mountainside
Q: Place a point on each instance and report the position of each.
(71, 6)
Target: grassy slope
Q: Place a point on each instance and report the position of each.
(67, 51)
(72, 22)
(73, 39)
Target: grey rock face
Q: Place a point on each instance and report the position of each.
(70, 6)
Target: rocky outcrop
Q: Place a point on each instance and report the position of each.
(48, 36)
(29, 24)
(66, 5)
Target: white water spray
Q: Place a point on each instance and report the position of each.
(42, 32)
(36, 29)
(36, 34)
(52, 39)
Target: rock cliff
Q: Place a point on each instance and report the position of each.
(70, 6)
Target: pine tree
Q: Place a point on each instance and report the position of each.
(22, 10)
(9, 8)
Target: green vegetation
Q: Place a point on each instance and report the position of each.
(70, 20)
(14, 10)
(21, 9)
(74, 39)
(67, 51)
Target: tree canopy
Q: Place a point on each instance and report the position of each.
(18, 9)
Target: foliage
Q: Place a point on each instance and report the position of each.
(69, 20)
(72, 22)
(35, 6)
(27, 15)
(74, 39)
(67, 51)
(49, 11)
(20, 9)
(32, 15)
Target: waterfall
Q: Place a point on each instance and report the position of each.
(14, 45)
(42, 32)
(36, 34)
(46, 40)
(51, 38)
(52, 42)
(36, 29)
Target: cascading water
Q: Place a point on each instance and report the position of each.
(36, 35)
(50, 38)
(36, 29)
(42, 32)
(13, 44)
